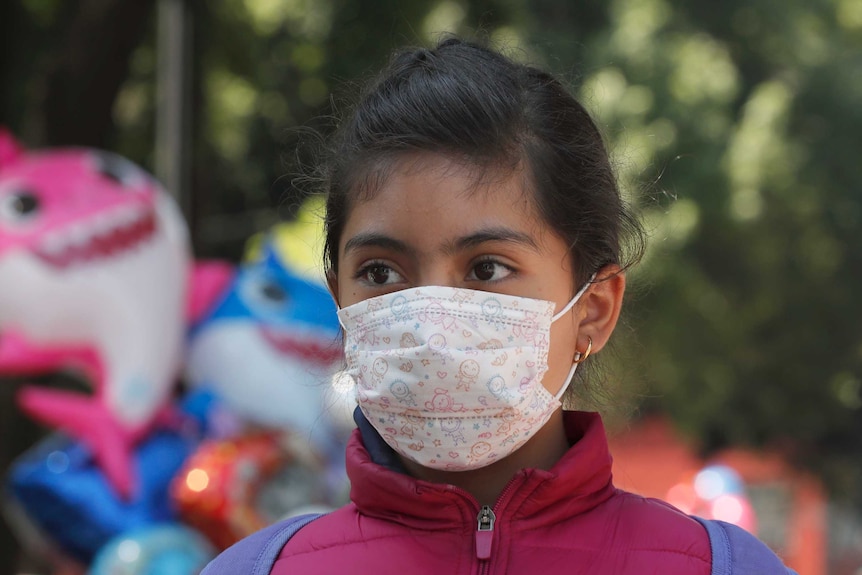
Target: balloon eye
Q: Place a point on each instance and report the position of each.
(263, 293)
(274, 292)
(19, 205)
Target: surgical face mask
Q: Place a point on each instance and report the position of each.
(452, 378)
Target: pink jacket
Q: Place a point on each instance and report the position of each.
(570, 520)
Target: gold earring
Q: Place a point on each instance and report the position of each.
(586, 354)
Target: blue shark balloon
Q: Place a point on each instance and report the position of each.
(267, 352)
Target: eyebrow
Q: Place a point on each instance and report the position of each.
(491, 234)
(376, 240)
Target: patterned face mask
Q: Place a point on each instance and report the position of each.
(452, 378)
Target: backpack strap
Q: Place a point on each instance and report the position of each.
(256, 554)
(735, 551)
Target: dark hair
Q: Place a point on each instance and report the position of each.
(466, 101)
(471, 103)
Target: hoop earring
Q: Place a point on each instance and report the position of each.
(586, 354)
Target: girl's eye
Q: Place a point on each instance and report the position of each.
(489, 271)
(379, 274)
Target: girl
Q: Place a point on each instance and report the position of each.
(476, 245)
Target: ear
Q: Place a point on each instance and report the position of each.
(332, 284)
(601, 307)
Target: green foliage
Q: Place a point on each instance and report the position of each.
(745, 116)
(268, 68)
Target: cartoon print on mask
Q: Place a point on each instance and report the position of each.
(399, 306)
(437, 345)
(493, 313)
(406, 366)
(412, 422)
(363, 382)
(461, 296)
(443, 402)
(452, 428)
(408, 340)
(497, 386)
(368, 337)
(508, 418)
(524, 387)
(402, 393)
(378, 370)
(491, 307)
(500, 357)
(436, 314)
(530, 331)
(467, 374)
(479, 451)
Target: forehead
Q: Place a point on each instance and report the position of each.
(438, 194)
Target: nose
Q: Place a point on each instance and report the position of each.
(438, 272)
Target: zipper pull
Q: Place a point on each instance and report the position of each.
(485, 532)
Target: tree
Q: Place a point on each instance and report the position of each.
(745, 117)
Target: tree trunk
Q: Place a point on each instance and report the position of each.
(76, 103)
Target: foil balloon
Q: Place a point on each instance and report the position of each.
(168, 549)
(94, 266)
(65, 497)
(231, 488)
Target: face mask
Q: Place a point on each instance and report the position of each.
(452, 378)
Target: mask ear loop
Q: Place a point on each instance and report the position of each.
(574, 300)
(581, 357)
(568, 382)
(575, 364)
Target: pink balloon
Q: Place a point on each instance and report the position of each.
(94, 277)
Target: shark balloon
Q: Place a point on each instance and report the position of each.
(267, 350)
(94, 269)
(260, 366)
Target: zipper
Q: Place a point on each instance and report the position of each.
(486, 519)
(485, 533)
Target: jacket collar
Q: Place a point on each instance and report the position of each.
(578, 482)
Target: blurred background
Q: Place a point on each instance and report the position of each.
(736, 128)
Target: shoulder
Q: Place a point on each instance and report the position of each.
(651, 522)
(729, 549)
(332, 529)
(256, 553)
(628, 533)
(738, 552)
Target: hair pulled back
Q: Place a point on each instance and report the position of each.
(466, 101)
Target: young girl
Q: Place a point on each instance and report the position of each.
(476, 247)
